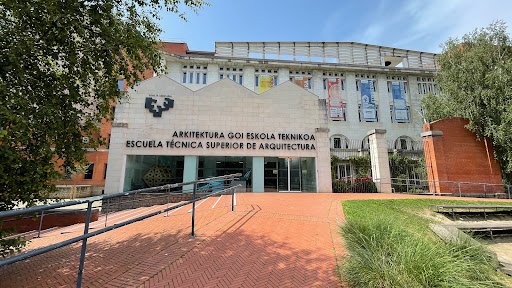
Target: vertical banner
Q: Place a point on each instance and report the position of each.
(399, 102)
(301, 81)
(369, 111)
(265, 82)
(335, 102)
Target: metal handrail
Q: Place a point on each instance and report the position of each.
(34, 209)
(440, 183)
(89, 202)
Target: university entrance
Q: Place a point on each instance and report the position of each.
(290, 174)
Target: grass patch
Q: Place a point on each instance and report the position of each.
(390, 245)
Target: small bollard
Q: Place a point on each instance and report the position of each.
(193, 235)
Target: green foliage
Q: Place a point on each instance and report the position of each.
(475, 80)
(390, 245)
(405, 167)
(59, 66)
(335, 161)
(362, 165)
(364, 185)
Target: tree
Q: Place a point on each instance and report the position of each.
(59, 65)
(475, 80)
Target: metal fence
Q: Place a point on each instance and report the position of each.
(137, 198)
(446, 188)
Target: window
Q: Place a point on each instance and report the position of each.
(105, 175)
(257, 82)
(365, 77)
(403, 144)
(232, 73)
(337, 142)
(194, 71)
(427, 85)
(67, 173)
(89, 172)
(120, 84)
(306, 74)
(108, 141)
(113, 113)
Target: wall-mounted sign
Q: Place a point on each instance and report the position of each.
(230, 140)
(335, 102)
(151, 105)
(369, 110)
(399, 102)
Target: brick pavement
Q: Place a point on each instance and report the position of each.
(271, 240)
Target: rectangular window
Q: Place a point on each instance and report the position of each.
(240, 80)
(184, 77)
(191, 79)
(234, 78)
(257, 84)
(105, 175)
(67, 173)
(309, 83)
(197, 78)
(325, 84)
(221, 76)
(89, 172)
(113, 113)
(120, 84)
(337, 142)
(108, 141)
(204, 78)
(275, 80)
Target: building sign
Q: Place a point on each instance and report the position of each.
(368, 108)
(230, 140)
(399, 102)
(151, 105)
(335, 102)
(265, 82)
(301, 81)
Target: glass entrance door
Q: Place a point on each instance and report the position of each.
(289, 175)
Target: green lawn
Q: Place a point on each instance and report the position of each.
(391, 245)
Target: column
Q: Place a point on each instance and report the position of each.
(258, 174)
(249, 77)
(283, 75)
(317, 81)
(212, 74)
(380, 161)
(383, 101)
(190, 171)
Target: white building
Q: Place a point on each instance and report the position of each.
(249, 90)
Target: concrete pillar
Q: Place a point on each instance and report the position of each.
(258, 174)
(380, 161)
(351, 111)
(283, 75)
(249, 77)
(212, 75)
(190, 171)
(317, 81)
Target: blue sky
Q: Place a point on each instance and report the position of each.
(413, 24)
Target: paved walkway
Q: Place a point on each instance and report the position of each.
(271, 240)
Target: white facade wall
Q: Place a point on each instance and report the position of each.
(352, 128)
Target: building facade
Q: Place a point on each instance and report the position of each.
(274, 111)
